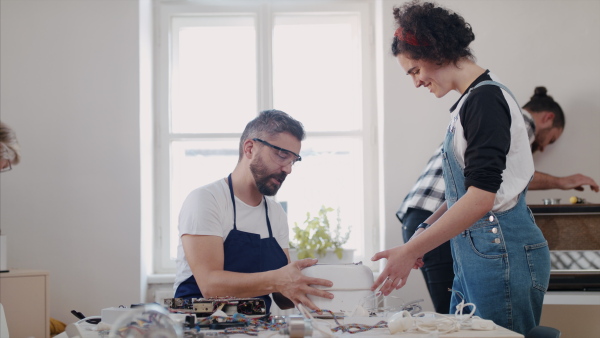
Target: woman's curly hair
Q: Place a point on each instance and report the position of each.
(436, 34)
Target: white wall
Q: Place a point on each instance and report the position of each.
(70, 86)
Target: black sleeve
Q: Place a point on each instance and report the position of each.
(485, 117)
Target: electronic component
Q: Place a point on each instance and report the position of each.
(204, 307)
(297, 327)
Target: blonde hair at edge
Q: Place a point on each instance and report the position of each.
(10, 146)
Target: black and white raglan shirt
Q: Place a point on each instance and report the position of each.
(491, 142)
(428, 191)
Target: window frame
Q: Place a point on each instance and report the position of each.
(264, 11)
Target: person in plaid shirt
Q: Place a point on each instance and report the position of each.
(545, 123)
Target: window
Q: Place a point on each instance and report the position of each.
(219, 65)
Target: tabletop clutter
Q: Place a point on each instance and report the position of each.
(354, 309)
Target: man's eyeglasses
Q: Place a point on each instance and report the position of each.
(282, 156)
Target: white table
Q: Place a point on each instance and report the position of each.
(500, 332)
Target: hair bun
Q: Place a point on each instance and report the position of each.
(540, 92)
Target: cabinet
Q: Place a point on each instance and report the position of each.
(574, 313)
(24, 296)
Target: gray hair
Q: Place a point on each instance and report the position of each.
(271, 122)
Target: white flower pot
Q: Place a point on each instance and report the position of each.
(330, 257)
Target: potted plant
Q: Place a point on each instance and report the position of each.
(316, 238)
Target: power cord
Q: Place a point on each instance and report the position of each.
(92, 320)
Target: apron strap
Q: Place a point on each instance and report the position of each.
(267, 214)
(234, 211)
(232, 200)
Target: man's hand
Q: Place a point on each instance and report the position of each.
(577, 182)
(543, 181)
(295, 286)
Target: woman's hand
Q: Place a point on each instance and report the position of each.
(397, 269)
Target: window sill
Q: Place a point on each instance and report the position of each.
(169, 278)
(166, 278)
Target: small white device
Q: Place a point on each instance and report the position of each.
(82, 329)
(351, 286)
(482, 324)
(111, 314)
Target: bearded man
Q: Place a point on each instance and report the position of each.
(233, 237)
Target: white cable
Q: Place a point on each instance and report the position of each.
(88, 318)
(443, 325)
(268, 334)
(461, 306)
(304, 312)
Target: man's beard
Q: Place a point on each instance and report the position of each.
(539, 135)
(534, 147)
(263, 178)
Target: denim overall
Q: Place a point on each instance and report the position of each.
(244, 252)
(502, 262)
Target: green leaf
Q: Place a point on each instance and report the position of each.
(316, 235)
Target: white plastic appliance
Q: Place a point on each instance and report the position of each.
(351, 286)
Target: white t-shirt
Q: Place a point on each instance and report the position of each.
(208, 210)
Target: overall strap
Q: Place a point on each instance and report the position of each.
(491, 82)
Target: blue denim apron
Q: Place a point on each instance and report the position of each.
(243, 252)
(502, 262)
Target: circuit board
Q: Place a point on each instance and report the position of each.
(204, 307)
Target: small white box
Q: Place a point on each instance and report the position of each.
(112, 314)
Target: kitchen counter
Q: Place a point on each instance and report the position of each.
(562, 209)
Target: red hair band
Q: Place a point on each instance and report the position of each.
(409, 38)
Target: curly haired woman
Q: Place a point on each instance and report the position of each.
(501, 259)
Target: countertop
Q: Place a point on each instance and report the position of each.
(565, 209)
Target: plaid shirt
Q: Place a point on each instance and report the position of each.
(428, 191)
